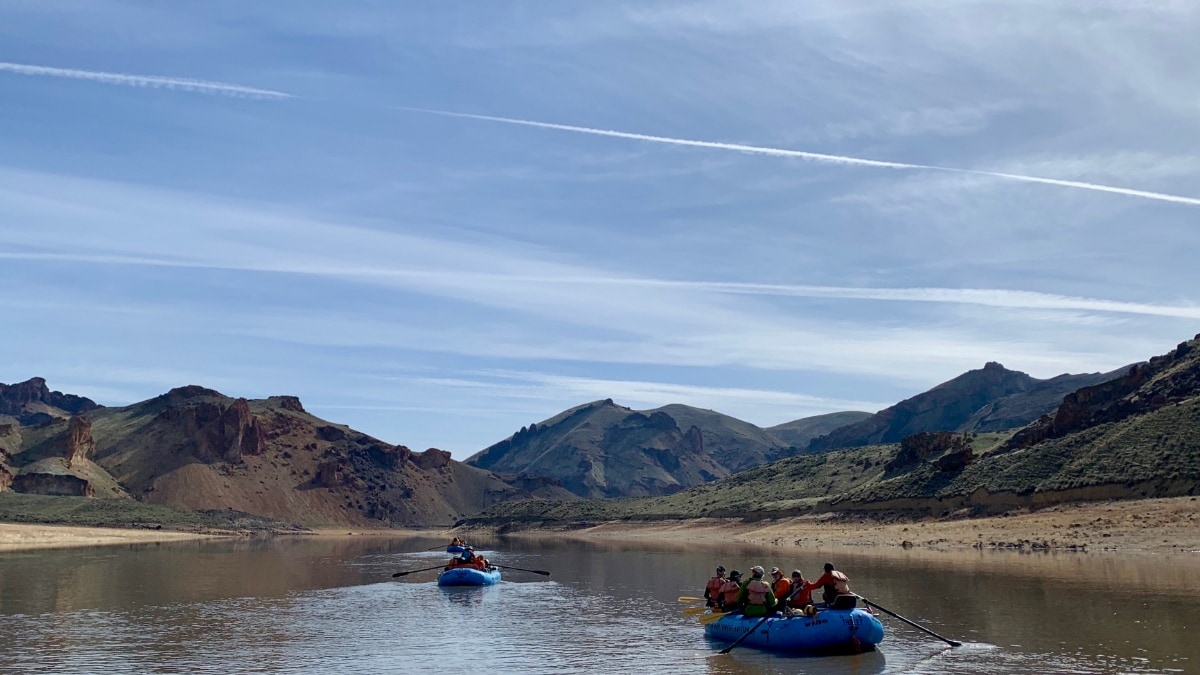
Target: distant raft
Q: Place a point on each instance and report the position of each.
(830, 631)
(454, 548)
(468, 576)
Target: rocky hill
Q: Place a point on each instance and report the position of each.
(31, 402)
(1137, 436)
(989, 399)
(195, 449)
(602, 449)
(800, 433)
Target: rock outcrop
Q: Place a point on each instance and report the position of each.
(32, 401)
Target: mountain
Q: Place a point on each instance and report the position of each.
(196, 449)
(800, 433)
(602, 449)
(31, 402)
(1132, 437)
(989, 399)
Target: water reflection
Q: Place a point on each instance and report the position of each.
(330, 604)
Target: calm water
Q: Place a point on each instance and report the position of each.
(330, 605)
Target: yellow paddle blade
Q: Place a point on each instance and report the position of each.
(688, 598)
(709, 618)
(693, 611)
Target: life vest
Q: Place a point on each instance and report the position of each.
(713, 589)
(781, 588)
(840, 583)
(756, 592)
(729, 592)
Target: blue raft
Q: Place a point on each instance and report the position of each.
(831, 630)
(454, 548)
(468, 576)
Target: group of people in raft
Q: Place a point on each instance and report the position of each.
(467, 558)
(758, 597)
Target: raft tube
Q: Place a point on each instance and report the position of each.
(831, 630)
(453, 548)
(468, 576)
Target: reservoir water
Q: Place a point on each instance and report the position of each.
(317, 604)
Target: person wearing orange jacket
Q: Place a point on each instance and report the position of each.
(781, 586)
(803, 597)
(836, 588)
(712, 590)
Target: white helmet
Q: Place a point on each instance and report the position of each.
(757, 570)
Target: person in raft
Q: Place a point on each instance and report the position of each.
(755, 597)
(727, 599)
(712, 590)
(469, 559)
(801, 602)
(457, 541)
(781, 586)
(835, 587)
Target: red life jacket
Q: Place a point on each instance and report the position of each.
(729, 592)
(756, 592)
(713, 589)
(781, 588)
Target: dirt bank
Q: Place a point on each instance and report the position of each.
(16, 537)
(1151, 525)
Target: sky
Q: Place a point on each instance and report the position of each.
(440, 222)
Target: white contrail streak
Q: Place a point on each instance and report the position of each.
(152, 81)
(817, 156)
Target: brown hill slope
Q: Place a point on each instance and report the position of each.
(602, 449)
(989, 399)
(195, 449)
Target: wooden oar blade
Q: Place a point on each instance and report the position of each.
(693, 611)
(709, 618)
(688, 598)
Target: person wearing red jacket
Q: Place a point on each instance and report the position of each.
(712, 590)
(835, 587)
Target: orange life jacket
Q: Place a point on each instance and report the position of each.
(801, 599)
(729, 592)
(781, 588)
(756, 592)
(713, 589)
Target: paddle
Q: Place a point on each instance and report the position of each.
(688, 598)
(400, 574)
(506, 567)
(948, 641)
(693, 611)
(706, 619)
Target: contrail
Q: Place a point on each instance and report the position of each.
(153, 81)
(817, 156)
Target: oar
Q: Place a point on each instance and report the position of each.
(709, 618)
(400, 574)
(506, 567)
(693, 611)
(688, 598)
(948, 641)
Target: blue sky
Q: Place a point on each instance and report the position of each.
(248, 196)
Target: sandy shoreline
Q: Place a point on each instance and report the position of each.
(24, 536)
(1143, 526)
(1146, 526)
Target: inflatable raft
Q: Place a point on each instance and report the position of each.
(454, 548)
(468, 576)
(831, 630)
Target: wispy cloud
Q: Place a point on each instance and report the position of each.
(151, 81)
(987, 297)
(816, 156)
